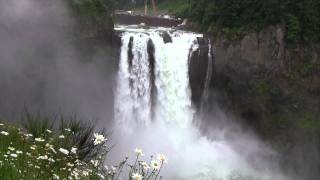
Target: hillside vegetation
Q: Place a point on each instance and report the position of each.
(301, 18)
(236, 17)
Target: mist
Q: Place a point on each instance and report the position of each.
(41, 68)
(227, 152)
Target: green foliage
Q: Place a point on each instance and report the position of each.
(235, 18)
(24, 156)
(93, 19)
(82, 135)
(293, 28)
(302, 18)
(178, 7)
(35, 124)
(309, 122)
(96, 8)
(262, 92)
(301, 69)
(310, 18)
(72, 151)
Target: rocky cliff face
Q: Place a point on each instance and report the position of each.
(262, 62)
(199, 67)
(257, 49)
(275, 88)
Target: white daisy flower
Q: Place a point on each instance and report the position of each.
(61, 136)
(74, 150)
(4, 133)
(95, 163)
(137, 176)
(33, 147)
(145, 166)
(55, 176)
(39, 139)
(49, 131)
(48, 145)
(51, 160)
(114, 169)
(85, 173)
(28, 135)
(13, 155)
(64, 151)
(45, 157)
(98, 139)
(70, 164)
(162, 158)
(139, 152)
(155, 164)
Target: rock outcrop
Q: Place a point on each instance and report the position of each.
(198, 69)
(265, 57)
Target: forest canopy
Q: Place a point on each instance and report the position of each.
(301, 18)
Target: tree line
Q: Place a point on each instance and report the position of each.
(300, 17)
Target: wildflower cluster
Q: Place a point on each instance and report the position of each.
(139, 169)
(59, 155)
(147, 170)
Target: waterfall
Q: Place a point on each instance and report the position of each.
(133, 93)
(173, 104)
(154, 111)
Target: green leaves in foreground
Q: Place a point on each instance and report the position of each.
(48, 155)
(73, 151)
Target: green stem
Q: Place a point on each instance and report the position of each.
(159, 170)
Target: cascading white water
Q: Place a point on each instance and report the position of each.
(170, 129)
(173, 103)
(133, 93)
(173, 100)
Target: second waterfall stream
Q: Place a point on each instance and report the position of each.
(154, 111)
